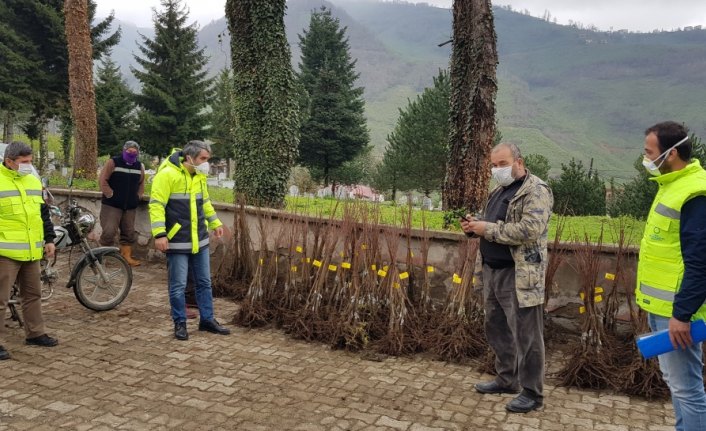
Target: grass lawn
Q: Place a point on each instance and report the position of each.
(574, 228)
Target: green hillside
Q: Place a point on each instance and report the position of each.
(563, 91)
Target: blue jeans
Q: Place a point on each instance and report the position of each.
(178, 267)
(683, 372)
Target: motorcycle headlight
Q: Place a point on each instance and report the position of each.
(85, 223)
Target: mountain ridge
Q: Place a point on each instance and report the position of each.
(564, 91)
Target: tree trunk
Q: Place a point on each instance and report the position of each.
(474, 86)
(8, 129)
(43, 148)
(81, 92)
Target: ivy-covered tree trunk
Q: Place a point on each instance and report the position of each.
(267, 133)
(81, 92)
(473, 89)
(8, 124)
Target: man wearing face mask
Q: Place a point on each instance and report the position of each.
(122, 181)
(26, 236)
(510, 268)
(671, 272)
(181, 214)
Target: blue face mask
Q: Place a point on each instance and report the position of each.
(650, 164)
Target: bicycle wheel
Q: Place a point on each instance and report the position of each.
(99, 293)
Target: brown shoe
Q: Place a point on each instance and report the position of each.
(126, 252)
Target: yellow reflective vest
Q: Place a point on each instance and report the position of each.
(21, 226)
(180, 207)
(661, 267)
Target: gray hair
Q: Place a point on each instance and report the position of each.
(16, 150)
(514, 149)
(194, 148)
(131, 144)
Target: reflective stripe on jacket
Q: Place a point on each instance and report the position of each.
(661, 267)
(125, 183)
(21, 225)
(180, 208)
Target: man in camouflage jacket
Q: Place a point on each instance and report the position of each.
(510, 268)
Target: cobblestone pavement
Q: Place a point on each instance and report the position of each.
(122, 369)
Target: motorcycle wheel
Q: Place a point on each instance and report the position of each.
(93, 293)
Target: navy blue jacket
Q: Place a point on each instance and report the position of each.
(692, 234)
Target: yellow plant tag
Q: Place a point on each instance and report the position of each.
(581, 295)
(363, 247)
(598, 289)
(411, 253)
(430, 268)
(404, 275)
(609, 276)
(346, 265)
(261, 261)
(384, 268)
(374, 267)
(294, 268)
(317, 263)
(308, 260)
(582, 309)
(299, 249)
(598, 298)
(396, 285)
(382, 273)
(342, 254)
(457, 279)
(332, 268)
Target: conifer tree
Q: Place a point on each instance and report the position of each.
(175, 89)
(115, 106)
(223, 118)
(266, 100)
(420, 139)
(335, 128)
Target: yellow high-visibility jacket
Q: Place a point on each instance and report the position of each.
(21, 225)
(180, 207)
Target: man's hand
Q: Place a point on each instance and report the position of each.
(161, 244)
(680, 333)
(476, 226)
(218, 231)
(49, 249)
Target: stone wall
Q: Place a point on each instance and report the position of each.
(443, 251)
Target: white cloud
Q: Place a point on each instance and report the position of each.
(639, 15)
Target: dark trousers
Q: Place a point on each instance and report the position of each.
(515, 334)
(113, 219)
(27, 276)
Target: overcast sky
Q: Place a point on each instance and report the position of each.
(638, 15)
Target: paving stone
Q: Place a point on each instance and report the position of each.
(123, 370)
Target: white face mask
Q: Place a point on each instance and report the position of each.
(203, 168)
(25, 169)
(503, 176)
(652, 167)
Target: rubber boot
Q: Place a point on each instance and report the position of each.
(126, 252)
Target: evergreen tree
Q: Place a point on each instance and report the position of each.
(577, 191)
(175, 89)
(420, 139)
(115, 108)
(334, 130)
(223, 118)
(538, 165)
(266, 100)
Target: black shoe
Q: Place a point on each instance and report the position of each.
(494, 388)
(4, 354)
(43, 340)
(180, 331)
(523, 404)
(213, 327)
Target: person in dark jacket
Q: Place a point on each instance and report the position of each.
(122, 182)
(22, 208)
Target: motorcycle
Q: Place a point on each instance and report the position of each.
(101, 278)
